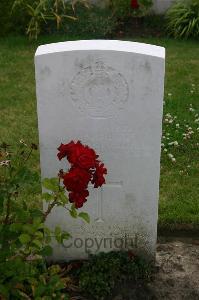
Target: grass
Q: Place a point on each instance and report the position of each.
(179, 189)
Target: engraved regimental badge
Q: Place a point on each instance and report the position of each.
(99, 90)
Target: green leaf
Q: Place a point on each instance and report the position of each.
(47, 231)
(51, 184)
(63, 198)
(57, 230)
(61, 235)
(24, 238)
(46, 251)
(16, 227)
(22, 215)
(28, 228)
(73, 212)
(65, 236)
(37, 243)
(58, 234)
(84, 216)
(36, 213)
(39, 234)
(47, 197)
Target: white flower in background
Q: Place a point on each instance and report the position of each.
(169, 94)
(175, 143)
(23, 142)
(5, 163)
(172, 158)
(191, 91)
(193, 84)
(174, 126)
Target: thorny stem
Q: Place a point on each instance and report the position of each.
(50, 207)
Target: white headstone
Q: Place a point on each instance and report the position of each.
(109, 95)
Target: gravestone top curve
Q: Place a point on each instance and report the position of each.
(114, 45)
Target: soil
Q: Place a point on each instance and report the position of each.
(176, 275)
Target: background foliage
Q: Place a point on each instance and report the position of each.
(98, 22)
(183, 19)
(122, 8)
(104, 271)
(40, 12)
(11, 23)
(24, 237)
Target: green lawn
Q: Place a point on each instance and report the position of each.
(179, 185)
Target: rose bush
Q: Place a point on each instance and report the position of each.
(24, 237)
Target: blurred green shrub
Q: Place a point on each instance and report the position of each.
(99, 275)
(183, 19)
(123, 9)
(40, 12)
(95, 22)
(9, 22)
(74, 18)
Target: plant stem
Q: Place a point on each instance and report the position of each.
(50, 207)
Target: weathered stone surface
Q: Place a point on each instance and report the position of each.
(108, 94)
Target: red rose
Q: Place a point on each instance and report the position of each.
(75, 152)
(78, 154)
(134, 4)
(64, 150)
(84, 168)
(76, 179)
(87, 158)
(78, 198)
(98, 176)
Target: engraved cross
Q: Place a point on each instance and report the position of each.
(100, 200)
